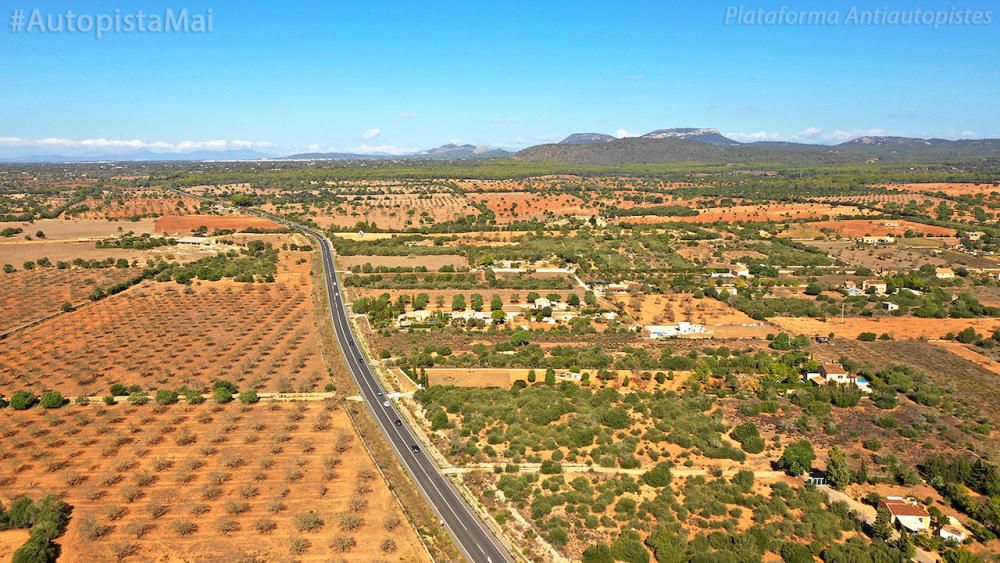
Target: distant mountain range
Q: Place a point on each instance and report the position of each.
(710, 136)
(444, 152)
(708, 145)
(140, 156)
(661, 145)
(586, 139)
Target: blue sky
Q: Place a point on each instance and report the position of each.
(395, 76)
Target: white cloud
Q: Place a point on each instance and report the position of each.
(371, 134)
(504, 120)
(407, 114)
(808, 135)
(622, 133)
(385, 149)
(125, 145)
(754, 136)
(547, 138)
(810, 132)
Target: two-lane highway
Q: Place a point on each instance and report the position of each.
(470, 532)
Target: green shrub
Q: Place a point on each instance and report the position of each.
(550, 467)
(52, 400)
(249, 397)
(23, 400)
(630, 550)
(598, 553)
(797, 458)
(167, 397)
(193, 396)
(749, 437)
(792, 552)
(138, 398)
(658, 476)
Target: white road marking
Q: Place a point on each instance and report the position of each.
(360, 374)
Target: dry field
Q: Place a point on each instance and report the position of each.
(275, 239)
(721, 319)
(948, 189)
(632, 199)
(77, 229)
(446, 295)
(855, 228)
(30, 295)
(551, 182)
(967, 353)
(175, 224)
(899, 328)
(362, 237)
(137, 207)
(987, 295)
(518, 206)
(966, 381)
(756, 213)
(898, 257)
(242, 188)
(396, 211)
(10, 540)
(505, 377)
(494, 238)
(156, 335)
(432, 263)
(275, 482)
(882, 199)
(17, 253)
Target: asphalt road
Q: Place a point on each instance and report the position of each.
(471, 534)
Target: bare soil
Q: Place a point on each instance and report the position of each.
(208, 466)
(900, 328)
(176, 224)
(77, 229)
(159, 336)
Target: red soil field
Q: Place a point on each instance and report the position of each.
(876, 199)
(511, 206)
(188, 223)
(27, 295)
(74, 229)
(774, 212)
(206, 482)
(946, 188)
(137, 207)
(397, 211)
(565, 180)
(156, 335)
(899, 328)
(881, 227)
